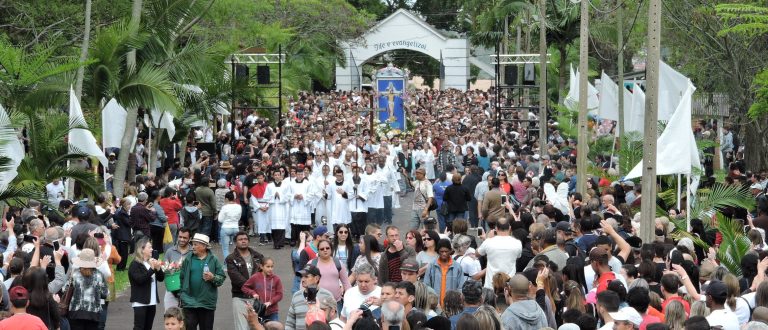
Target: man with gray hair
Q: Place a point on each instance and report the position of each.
(392, 314)
(365, 292)
(141, 216)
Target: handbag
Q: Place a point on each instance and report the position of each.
(167, 235)
(443, 209)
(259, 308)
(64, 302)
(432, 206)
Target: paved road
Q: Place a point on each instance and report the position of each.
(121, 313)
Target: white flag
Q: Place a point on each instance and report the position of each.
(12, 148)
(676, 147)
(81, 140)
(572, 98)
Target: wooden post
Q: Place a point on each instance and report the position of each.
(543, 75)
(620, 30)
(648, 207)
(583, 141)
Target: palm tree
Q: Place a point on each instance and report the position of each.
(49, 155)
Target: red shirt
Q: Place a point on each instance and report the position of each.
(603, 280)
(686, 305)
(171, 208)
(23, 321)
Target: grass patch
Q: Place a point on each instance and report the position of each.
(121, 277)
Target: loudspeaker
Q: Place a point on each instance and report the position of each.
(241, 72)
(510, 75)
(529, 74)
(262, 74)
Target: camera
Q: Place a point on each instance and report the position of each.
(430, 221)
(310, 294)
(366, 308)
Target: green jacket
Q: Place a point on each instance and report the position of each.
(207, 298)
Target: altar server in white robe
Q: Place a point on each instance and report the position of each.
(338, 196)
(301, 204)
(375, 196)
(320, 186)
(259, 201)
(358, 205)
(386, 173)
(278, 193)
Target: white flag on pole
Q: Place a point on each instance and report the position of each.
(676, 147)
(81, 140)
(12, 148)
(572, 98)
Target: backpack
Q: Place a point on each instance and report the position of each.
(335, 262)
(579, 252)
(190, 220)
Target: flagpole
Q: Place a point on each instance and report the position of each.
(679, 192)
(688, 202)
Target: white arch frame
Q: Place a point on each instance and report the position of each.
(404, 30)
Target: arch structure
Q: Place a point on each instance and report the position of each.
(404, 30)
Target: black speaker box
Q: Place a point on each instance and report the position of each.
(262, 74)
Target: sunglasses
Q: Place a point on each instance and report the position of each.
(343, 232)
(427, 239)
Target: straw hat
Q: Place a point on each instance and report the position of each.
(86, 259)
(202, 238)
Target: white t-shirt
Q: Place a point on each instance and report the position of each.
(353, 298)
(502, 252)
(469, 264)
(55, 193)
(724, 318)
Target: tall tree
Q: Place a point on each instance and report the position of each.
(720, 63)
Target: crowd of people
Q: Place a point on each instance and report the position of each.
(495, 235)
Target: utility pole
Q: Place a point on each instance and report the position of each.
(543, 75)
(583, 140)
(648, 205)
(620, 30)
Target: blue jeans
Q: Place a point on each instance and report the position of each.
(441, 221)
(415, 219)
(227, 235)
(272, 317)
(387, 210)
(206, 225)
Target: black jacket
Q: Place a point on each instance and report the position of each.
(238, 270)
(457, 196)
(141, 282)
(123, 233)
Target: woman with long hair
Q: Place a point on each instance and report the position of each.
(370, 253)
(343, 248)
(41, 302)
(488, 318)
(413, 239)
(429, 254)
(504, 184)
(229, 217)
(143, 274)
(331, 271)
(453, 303)
(674, 315)
(89, 288)
(483, 160)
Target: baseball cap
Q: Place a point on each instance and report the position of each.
(717, 290)
(309, 270)
(83, 212)
(564, 226)
(410, 265)
(756, 186)
(531, 274)
(18, 293)
(628, 314)
(319, 231)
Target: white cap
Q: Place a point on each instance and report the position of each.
(627, 314)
